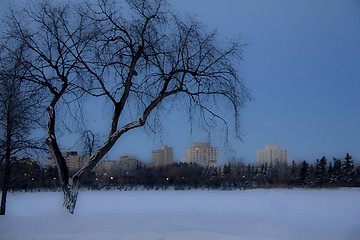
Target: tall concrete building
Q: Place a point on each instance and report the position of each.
(272, 154)
(202, 153)
(73, 161)
(162, 157)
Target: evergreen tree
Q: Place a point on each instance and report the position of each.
(320, 171)
(330, 172)
(272, 173)
(336, 175)
(317, 171)
(348, 169)
(293, 174)
(304, 173)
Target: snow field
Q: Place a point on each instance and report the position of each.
(251, 214)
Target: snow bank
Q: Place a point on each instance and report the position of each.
(252, 214)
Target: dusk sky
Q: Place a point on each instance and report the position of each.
(302, 67)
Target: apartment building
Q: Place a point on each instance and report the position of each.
(202, 153)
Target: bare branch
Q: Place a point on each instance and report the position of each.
(139, 56)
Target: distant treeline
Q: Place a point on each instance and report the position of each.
(181, 176)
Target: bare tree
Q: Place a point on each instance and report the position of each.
(18, 115)
(140, 59)
(90, 142)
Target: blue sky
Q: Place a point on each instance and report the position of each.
(302, 67)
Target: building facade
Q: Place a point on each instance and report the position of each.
(202, 153)
(162, 157)
(272, 155)
(126, 165)
(73, 161)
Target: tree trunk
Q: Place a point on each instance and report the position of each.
(7, 163)
(69, 186)
(71, 192)
(5, 183)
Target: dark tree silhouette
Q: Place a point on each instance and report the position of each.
(304, 173)
(18, 116)
(348, 169)
(138, 56)
(320, 171)
(337, 174)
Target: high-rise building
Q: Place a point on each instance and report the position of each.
(272, 154)
(73, 161)
(162, 157)
(202, 153)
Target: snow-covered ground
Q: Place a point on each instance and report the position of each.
(251, 214)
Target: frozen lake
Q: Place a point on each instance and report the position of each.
(251, 214)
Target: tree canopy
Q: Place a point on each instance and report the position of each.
(137, 56)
